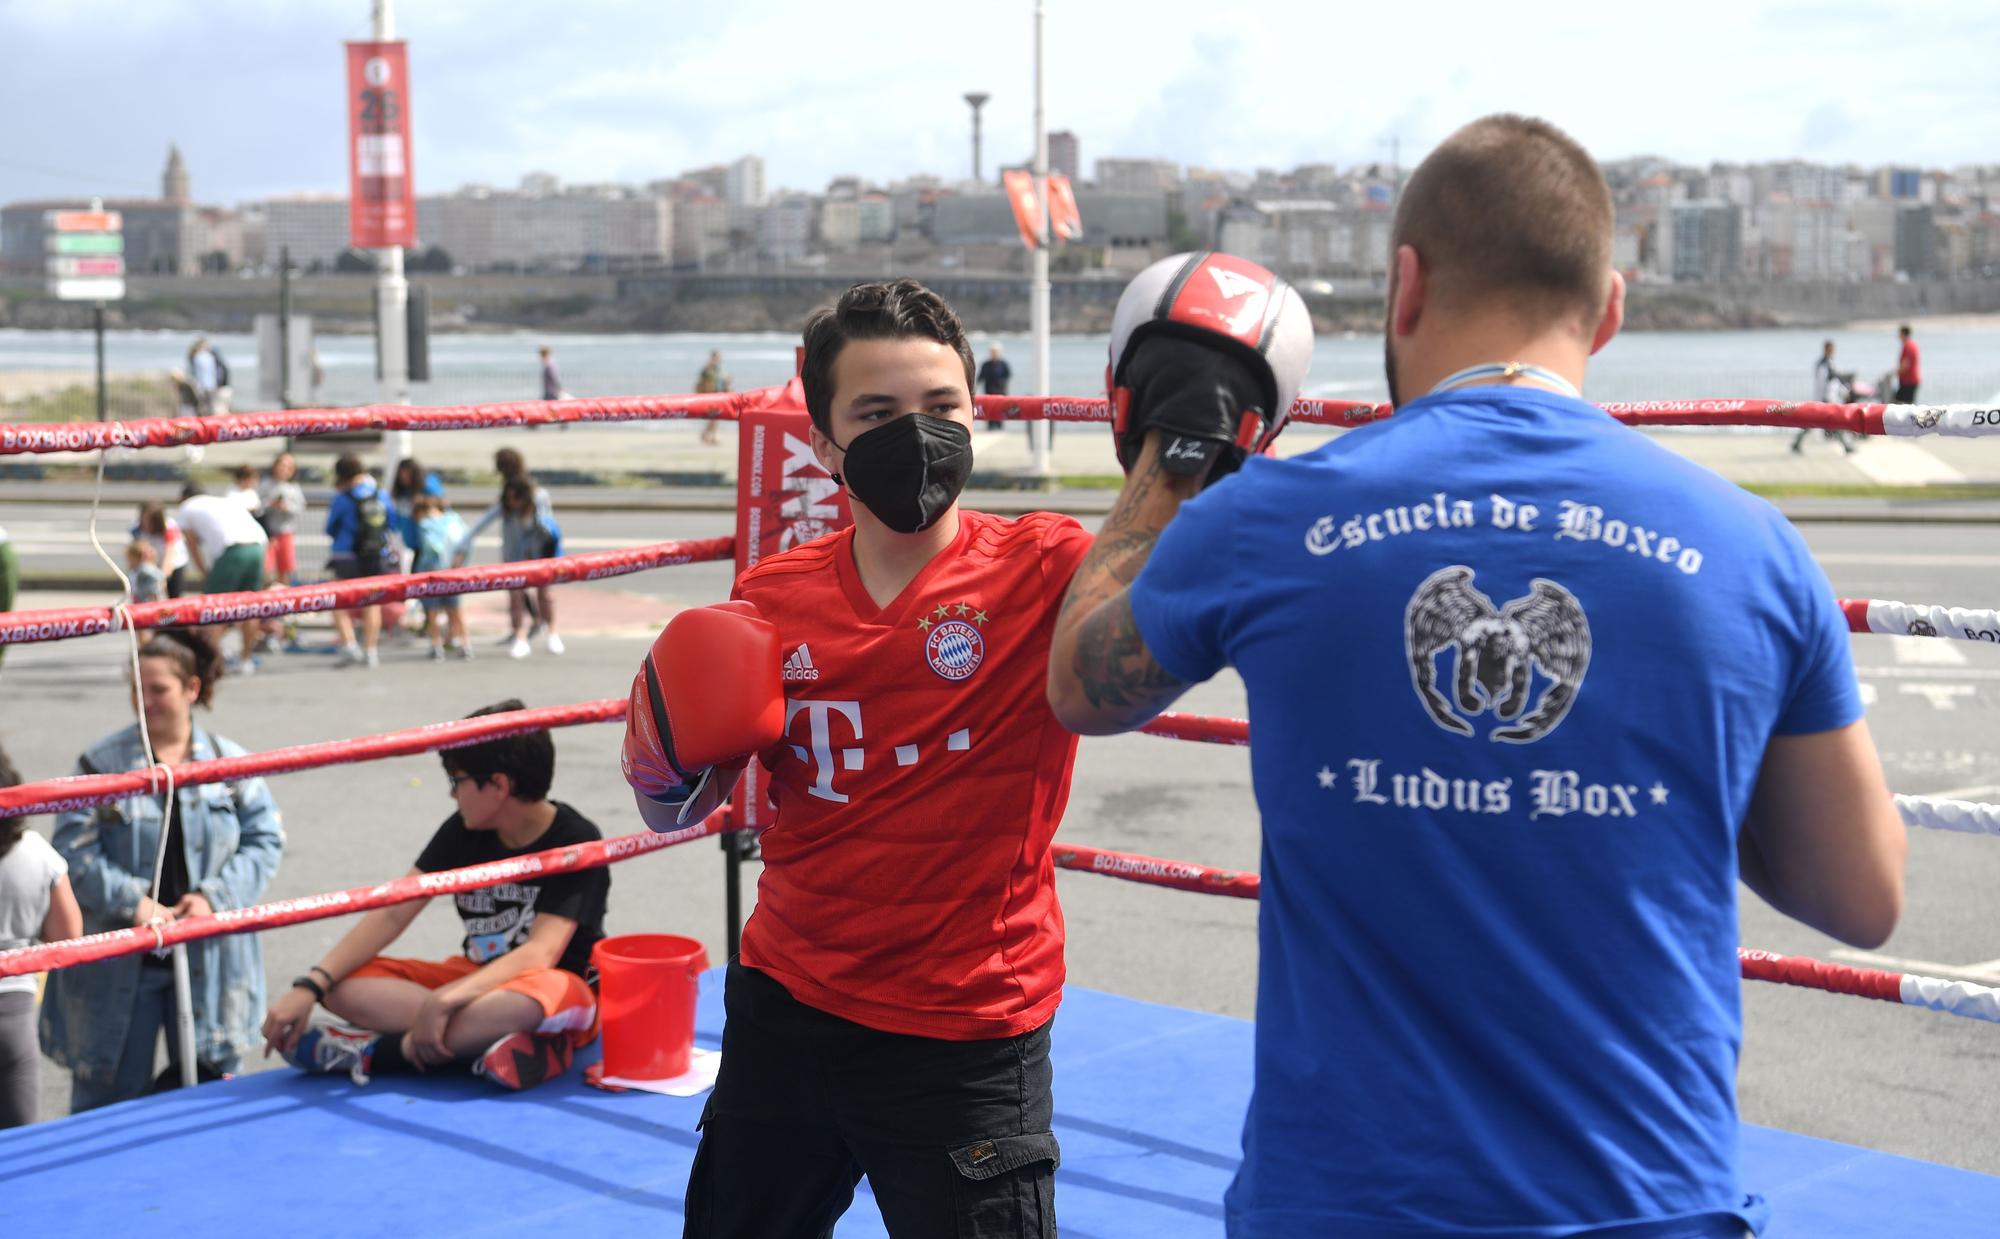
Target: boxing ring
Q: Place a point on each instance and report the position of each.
(1149, 1099)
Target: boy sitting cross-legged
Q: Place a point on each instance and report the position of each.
(514, 1007)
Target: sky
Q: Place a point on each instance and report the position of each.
(634, 90)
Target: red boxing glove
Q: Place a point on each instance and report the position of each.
(709, 696)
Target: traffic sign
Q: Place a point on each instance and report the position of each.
(84, 221)
(88, 288)
(86, 243)
(86, 254)
(66, 265)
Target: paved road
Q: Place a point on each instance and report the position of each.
(1904, 1080)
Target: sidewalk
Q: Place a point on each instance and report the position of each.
(666, 464)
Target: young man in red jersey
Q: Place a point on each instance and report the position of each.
(889, 1015)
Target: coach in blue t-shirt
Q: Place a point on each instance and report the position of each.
(1529, 694)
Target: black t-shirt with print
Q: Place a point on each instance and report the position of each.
(499, 918)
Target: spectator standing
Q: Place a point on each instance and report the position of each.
(528, 530)
(709, 381)
(227, 544)
(245, 490)
(1909, 370)
(163, 534)
(513, 1006)
(438, 532)
(142, 568)
(994, 375)
(410, 482)
(223, 842)
(358, 525)
(209, 376)
(36, 905)
(281, 506)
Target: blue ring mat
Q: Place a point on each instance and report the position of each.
(1144, 1152)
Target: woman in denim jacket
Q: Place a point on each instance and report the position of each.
(103, 1021)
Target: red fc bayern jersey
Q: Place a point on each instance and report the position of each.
(907, 881)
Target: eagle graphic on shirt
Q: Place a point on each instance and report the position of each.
(1496, 651)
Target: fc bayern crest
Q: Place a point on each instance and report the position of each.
(955, 649)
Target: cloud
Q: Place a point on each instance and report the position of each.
(594, 90)
(1826, 127)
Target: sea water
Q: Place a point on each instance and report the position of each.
(1961, 362)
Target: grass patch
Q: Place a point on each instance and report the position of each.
(1862, 490)
(1088, 481)
(123, 398)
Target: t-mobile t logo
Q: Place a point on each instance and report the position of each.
(819, 741)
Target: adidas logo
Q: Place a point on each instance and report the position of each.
(800, 665)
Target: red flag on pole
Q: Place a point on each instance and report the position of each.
(1064, 221)
(1027, 208)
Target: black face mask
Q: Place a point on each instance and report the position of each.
(908, 471)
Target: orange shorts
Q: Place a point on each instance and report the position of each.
(568, 1006)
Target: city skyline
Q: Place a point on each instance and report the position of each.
(495, 96)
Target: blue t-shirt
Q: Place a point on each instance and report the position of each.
(1512, 669)
(343, 517)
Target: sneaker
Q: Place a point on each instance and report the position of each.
(330, 1049)
(372, 658)
(555, 644)
(437, 653)
(349, 655)
(462, 653)
(267, 644)
(507, 640)
(523, 1060)
(518, 648)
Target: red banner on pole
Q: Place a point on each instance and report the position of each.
(381, 193)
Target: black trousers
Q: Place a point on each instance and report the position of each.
(1906, 393)
(953, 1135)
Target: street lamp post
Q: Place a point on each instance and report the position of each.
(1038, 294)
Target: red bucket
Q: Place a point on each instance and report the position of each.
(646, 986)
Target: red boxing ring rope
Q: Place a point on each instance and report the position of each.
(82, 791)
(1966, 420)
(59, 623)
(237, 427)
(117, 942)
(1979, 1002)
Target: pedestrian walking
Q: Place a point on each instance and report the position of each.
(1829, 386)
(528, 530)
(994, 374)
(711, 380)
(1909, 370)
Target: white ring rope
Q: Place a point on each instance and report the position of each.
(1979, 1002)
(1915, 619)
(138, 703)
(1963, 816)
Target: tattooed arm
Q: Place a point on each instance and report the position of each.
(1102, 678)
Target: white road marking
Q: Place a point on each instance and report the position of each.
(1926, 651)
(1987, 973)
(1876, 559)
(1941, 696)
(1927, 673)
(1890, 462)
(1978, 791)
